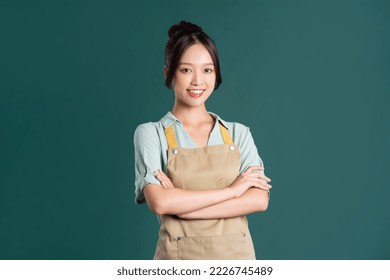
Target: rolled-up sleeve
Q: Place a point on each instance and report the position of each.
(147, 152)
(249, 154)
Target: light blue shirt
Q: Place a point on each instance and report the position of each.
(150, 147)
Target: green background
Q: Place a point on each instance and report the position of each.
(310, 78)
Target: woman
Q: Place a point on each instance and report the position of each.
(200, 174)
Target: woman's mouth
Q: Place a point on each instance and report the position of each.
(195, 92)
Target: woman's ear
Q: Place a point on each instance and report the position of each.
(165, 72)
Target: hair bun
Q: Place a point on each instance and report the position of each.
(183, 28)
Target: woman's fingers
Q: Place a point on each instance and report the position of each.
(259, 175)
(164, 180)
(165, 184)
(261, 184)
(258, 182)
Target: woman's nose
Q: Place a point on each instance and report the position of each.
(197, 78)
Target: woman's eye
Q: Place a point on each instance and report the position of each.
(208, 70)
(185, 70)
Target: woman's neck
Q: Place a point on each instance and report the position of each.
(192, 116)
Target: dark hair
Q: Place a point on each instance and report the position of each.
(182, 36)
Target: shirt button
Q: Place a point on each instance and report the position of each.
(231, 148)
(174, 151)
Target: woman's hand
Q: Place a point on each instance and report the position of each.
(250, 178)
(166, 183)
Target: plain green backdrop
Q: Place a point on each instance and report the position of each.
(310, 78)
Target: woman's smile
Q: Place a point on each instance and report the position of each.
(194, 79)
(195, 92)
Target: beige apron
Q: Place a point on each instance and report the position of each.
(210, 167)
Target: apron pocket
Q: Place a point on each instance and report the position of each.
(222, 247)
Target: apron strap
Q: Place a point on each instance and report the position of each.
(171, 138)
(227, 139)
(170, 135)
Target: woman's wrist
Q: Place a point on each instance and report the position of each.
(231, 192)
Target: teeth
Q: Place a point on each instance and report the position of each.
(199, 91)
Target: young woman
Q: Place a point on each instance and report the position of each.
(200, 174)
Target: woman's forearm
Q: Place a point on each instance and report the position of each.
(176, 201)
(166, 199)
(253, 200)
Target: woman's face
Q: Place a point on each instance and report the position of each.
(194, 79)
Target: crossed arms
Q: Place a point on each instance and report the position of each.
(247, 194)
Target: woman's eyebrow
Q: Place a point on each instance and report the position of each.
(180, 63)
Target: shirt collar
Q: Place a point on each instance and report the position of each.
(169, 119)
